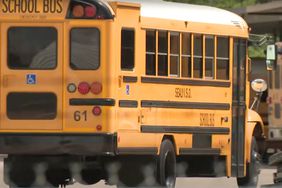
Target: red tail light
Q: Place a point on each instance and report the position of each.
(97, 111)
(83, 88)
(90, 11)
(96, 88)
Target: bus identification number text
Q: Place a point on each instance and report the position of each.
(207, 119)
(80, 116)
(183, 93)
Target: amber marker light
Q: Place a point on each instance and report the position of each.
(78, 11)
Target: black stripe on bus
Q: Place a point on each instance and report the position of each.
(199, 151)
(185, 129)
(92, 102)
(130, 79)
(185, 82)
(128, 104)
(138, 151)
(185, 105)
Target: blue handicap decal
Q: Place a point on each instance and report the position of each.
(127, 90)
(31, 79)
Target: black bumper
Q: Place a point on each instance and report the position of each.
(58, 144)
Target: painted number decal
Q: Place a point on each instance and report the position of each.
(207, 119)
(80, 116)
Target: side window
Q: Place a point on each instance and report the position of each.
(162, 53)
(127, 49)
(186, 55)
(85, 49)
(150, 52)
(32, 48)
(209, 56)
(174, 54)
(222, 68)
(198, 56)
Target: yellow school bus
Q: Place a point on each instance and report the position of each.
(135, 92)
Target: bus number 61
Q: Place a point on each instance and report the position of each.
(80, 116)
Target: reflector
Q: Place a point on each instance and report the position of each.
(97, 111)
(99, 127)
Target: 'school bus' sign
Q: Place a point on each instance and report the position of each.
(33, 8)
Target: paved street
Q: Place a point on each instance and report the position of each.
(265, 178)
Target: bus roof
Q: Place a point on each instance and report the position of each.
(187, 12)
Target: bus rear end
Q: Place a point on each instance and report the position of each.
(56, 102)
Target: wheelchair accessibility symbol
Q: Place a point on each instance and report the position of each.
(31, 79)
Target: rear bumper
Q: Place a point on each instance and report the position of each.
(58, 144)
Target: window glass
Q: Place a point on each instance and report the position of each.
(85, 49)
(174, 54)
(150, 53)
(186, 55)
(222, 70)
(127, 49)
(32, 48)
(162, 53)
(31, 106)
(198, 56)
(209, 56)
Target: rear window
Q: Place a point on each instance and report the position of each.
(32, 48)
(85, 49)
(31, 106)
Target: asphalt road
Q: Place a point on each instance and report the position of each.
(264, 179)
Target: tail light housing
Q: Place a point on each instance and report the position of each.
(96, 88)
(83, 88)
(97, 111)
(78, 11)
(89, 10)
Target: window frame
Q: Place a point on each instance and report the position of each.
(173, 55)
(30, 27)
(70, 48)
(151, 53)
(8, 113)
(186, 56)
(163, 54)
(223, 58)
(201, 68)
(134, 49)
(207, 57)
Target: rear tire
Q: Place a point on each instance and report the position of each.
(166, 172)
(251, 178)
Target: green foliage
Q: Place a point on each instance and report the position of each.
(257, 51)
(226, 4)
